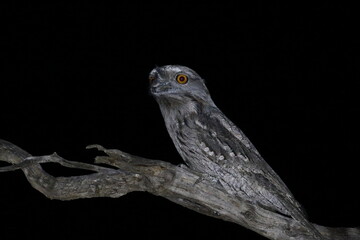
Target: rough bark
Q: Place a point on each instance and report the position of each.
(179, 184)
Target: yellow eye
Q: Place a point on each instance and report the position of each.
(182, 78)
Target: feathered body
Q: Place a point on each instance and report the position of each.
(211, 144)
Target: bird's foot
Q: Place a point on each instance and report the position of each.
(183, 166)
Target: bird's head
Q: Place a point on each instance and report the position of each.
(176, 83)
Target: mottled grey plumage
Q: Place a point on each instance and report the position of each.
(212, 145)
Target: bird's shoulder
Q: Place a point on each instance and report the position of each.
(214, 125)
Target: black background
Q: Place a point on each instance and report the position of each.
(77, 73)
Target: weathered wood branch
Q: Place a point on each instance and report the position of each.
(178, 184)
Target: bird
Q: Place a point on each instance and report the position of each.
(212, 145)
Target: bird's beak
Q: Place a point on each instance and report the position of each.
(157, 87)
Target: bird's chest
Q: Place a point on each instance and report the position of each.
(184, 134)
(188, 133)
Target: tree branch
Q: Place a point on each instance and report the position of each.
(178, 184)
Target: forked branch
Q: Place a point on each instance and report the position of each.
(176, 183)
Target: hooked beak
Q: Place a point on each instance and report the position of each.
(157, 85)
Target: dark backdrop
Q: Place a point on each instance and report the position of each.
(77, 74)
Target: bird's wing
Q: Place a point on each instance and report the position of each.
(242, 159)
(254, 165)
